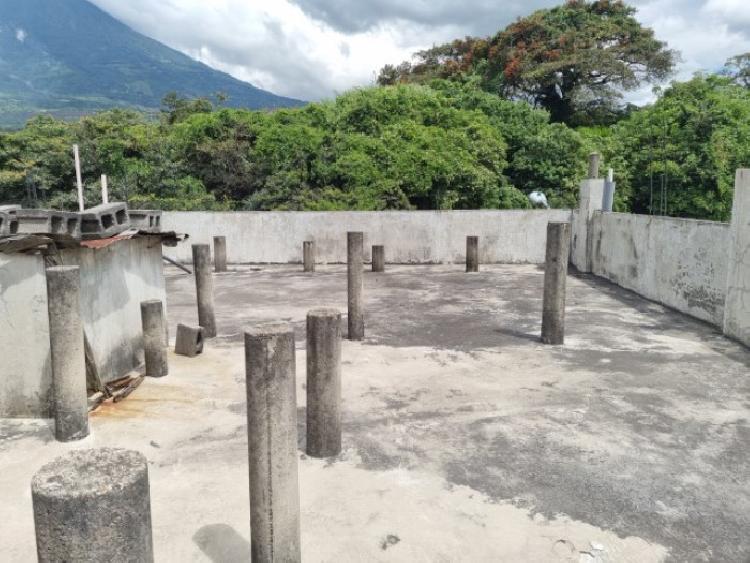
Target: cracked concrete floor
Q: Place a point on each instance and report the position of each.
(465, 439)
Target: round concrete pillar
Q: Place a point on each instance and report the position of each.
(93, 505)
(308, 255)
(472, 254)
(594, 160)
(378, 258)
(69, 398)
(204, 288)
(220, 254)
(323, 382)
(555, 275)
(154, 351)
(354, 257)
(272, 443)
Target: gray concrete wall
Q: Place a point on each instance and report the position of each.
(681, 263)
(114, 281)
(408, 236)
(25, 375)
(737, 314)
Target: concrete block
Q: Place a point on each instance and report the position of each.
(189, 340)
(147, 220)
(93, 505)
(104, 221)
(8, 224)
(10, 208)
(48, 222)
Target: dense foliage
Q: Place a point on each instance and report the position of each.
(405, 147)
(573, 60)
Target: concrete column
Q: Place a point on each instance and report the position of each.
(272, 443)
(472, 254)
(555, 274)
(220, 254)
(308, 255)
(591, 196)
(594, 160)
(608, 198)
(93, 505)
(323, 382)
(354, 252)
(737, 303)
(152, 320)
(70, 401)
(204, 288)
(378, 258)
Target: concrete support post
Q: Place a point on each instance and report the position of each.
(354, 253)
(67, 353)
(220, 254)
(555, 274)
(472, 254)
(378, 258)
(204, 288)
(323, 382)
(308, 255)
(152, 320)
(272, 443)
(590, 200)
(608, 199)
(737, 303)
(594, 160)
(93, 505)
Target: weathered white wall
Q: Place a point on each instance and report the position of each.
(737, 314)
(681, 263)
(114, 281)
(408, 236)
(25, 375)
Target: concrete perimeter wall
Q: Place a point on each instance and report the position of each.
(409, 236)
(681, 263)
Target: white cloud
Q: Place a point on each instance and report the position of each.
(21, 35)
(311, 49)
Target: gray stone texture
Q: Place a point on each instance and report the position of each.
(355, 251)
(737, 305)
(472, 254)
(323, 382)
(378, 258)
(155, 353)
(145, 220)
(555, 276)
(70, 406)
(93, 506)
(220, 254)
(8, 224)
(308, 255)
(189, 340)
(48, 222)
(104, 221)
(204, 289)
(272, 443)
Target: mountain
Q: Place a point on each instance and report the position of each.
(69, 58)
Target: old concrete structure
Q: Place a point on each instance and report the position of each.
(555, 278)
(590, 201)
(155, 352)
(105, 220)
(356, 316)
(204, 289)
(189, 340)
(737, 305)
(594, 161)
(472, 254)
(115, 278)
(323, 382)
(378, 258)
(220, 253)
(67, 353)
(308, 255)
(272, 443)
(93, 505)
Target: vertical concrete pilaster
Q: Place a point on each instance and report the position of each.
(590, 201)
(272, 443)
(220, 254)
(378, 258)
(308, 255)
(472, 254)
(70, 402)
(737, 303)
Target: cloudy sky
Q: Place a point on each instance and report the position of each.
(313, 49)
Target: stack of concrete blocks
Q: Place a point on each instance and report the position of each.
(145, 220)
(104, 221)
(48, 222)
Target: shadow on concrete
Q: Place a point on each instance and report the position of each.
(222, 544)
